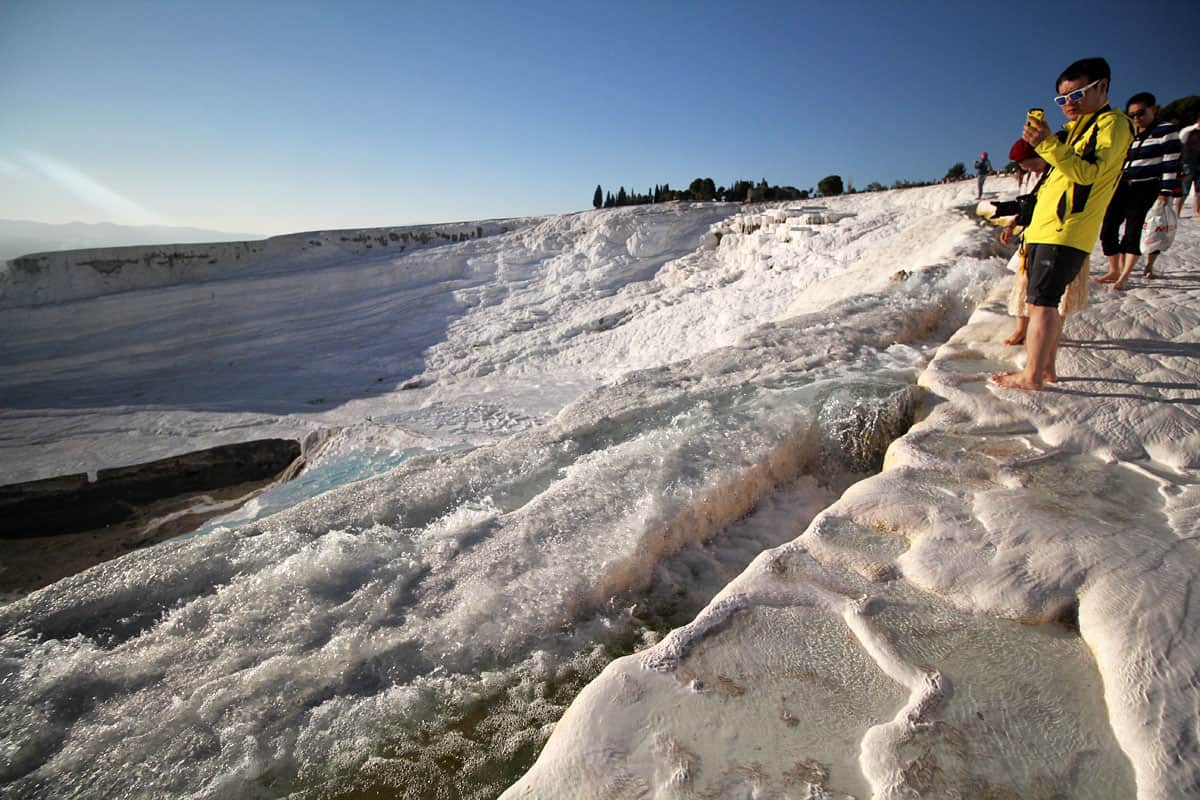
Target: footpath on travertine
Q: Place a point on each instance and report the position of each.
(1005, 611)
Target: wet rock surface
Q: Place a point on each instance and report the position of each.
(57, 527)
(72, 503)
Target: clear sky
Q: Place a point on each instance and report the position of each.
(272, 117)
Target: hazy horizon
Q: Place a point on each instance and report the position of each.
(27, 237)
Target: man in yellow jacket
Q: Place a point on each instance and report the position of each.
(1086, 166)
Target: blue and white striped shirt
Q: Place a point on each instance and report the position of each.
(1154, 156)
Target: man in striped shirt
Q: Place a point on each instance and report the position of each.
(1150, 175)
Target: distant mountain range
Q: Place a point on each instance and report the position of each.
(21, 237)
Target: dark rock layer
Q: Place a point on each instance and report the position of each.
(71, 503)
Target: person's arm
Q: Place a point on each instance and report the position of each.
(1112, 143)
(1172, 148)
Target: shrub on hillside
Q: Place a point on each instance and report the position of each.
(830, 185)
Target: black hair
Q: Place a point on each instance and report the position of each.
(1089, 69)
(1142, 99)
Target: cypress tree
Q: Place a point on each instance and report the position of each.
(598, 197)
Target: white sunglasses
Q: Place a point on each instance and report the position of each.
(1075, 96)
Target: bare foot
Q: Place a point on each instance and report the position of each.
(1148, 275)
(1109, 277)
(1015, 380)
(1051, 377)
(1016, 338)
(1117, 287)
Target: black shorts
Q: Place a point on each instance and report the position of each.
(1050, 268)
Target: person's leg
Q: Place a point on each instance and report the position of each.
(1142, 197)
(1053, 335)
(1114, 270)
(1018, 306)
(1127, 262)
(1018, 334)
(1051, 269)
(1044, 327)
(1148, 272)
(1110, 233)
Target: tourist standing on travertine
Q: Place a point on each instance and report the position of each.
(982, 168)
(1150, 176)
(1070, 206)
(1189, 169)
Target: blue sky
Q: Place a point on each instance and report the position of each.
(265, 117)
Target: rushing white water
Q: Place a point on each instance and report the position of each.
(588, 427)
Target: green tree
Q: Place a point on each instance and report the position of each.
(874, 186)
(959, 170)
(702, 189)
(1185, 109)
(598, 197)
(830, 185)
(740, 191)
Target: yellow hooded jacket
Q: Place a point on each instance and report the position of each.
(1071, 203)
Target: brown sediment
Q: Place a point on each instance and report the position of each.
(56, 527)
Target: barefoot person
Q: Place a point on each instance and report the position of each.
(1150, 175)
(1075, 298)
(1070, 206)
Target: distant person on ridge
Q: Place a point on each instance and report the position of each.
(982, 168)
(1069, 208)
(1150, 176)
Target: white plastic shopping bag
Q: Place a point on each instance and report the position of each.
(1158, 231)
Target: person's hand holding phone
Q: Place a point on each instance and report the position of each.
(1036, 128)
